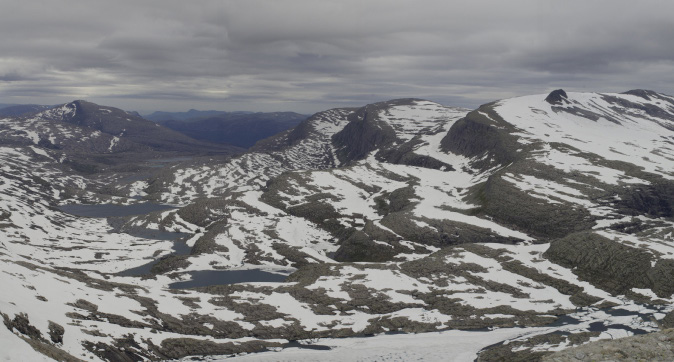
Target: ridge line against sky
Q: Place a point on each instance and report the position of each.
(307, 56)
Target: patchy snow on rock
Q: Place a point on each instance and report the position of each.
(618, 133)
(246, 213)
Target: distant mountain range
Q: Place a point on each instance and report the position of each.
(242, 129)
(192, 114)
(14, 110)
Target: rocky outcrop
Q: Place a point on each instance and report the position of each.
(612, 266)
(363, 134)
(654, 200)
(361, 247)
(508, 204)
(668, 321)
(366, 133)
(56, 332)
(557, 97)
(656, 346)
(483, 134)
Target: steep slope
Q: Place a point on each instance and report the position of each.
(307, 146)
(576, 160)
(400, 193)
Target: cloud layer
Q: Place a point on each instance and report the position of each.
(308, 55)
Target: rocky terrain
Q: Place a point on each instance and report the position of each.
(655, 346)
(525, 227)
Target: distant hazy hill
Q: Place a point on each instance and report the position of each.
(237, 128)
(13, 110)
(192, 114)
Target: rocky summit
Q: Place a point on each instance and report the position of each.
(531, 228)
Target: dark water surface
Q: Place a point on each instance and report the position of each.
(205, 278)
(111, 210)
(179, 248)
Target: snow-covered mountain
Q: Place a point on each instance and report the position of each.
(549, 217)
(91, 138)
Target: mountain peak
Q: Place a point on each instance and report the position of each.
(557, 96)
(643, 93)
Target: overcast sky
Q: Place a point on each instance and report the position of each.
(312, 55)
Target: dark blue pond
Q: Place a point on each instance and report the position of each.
(206, 278)
(179, 248)
(111, 210)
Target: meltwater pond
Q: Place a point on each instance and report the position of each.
(206, 278)
(112, 210)
(179, 248)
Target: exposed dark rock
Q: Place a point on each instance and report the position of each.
(56, 332)
(521, 349)
(614, 266)
(654, 200)
(310, 273)
(31, 335)
(630, 227)
(557, 97)
(656, 346)
(668, 321)
(397, 200)
(51, 351)
(398, 324)
(478, 135)
(361, 247)
(83, 304)
(517, 209)
(662, 277)
(170, 263)
(206, 243)
(404, 155)
(121, 350)
(175, 348)
(21, 324)
(645, 94)
(294, 255)
(611, 265)
(201, 212)
(363, 134)
(441, 233)
(623, 105)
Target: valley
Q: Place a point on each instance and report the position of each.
(405, 228)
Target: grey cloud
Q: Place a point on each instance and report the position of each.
(310, 55)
